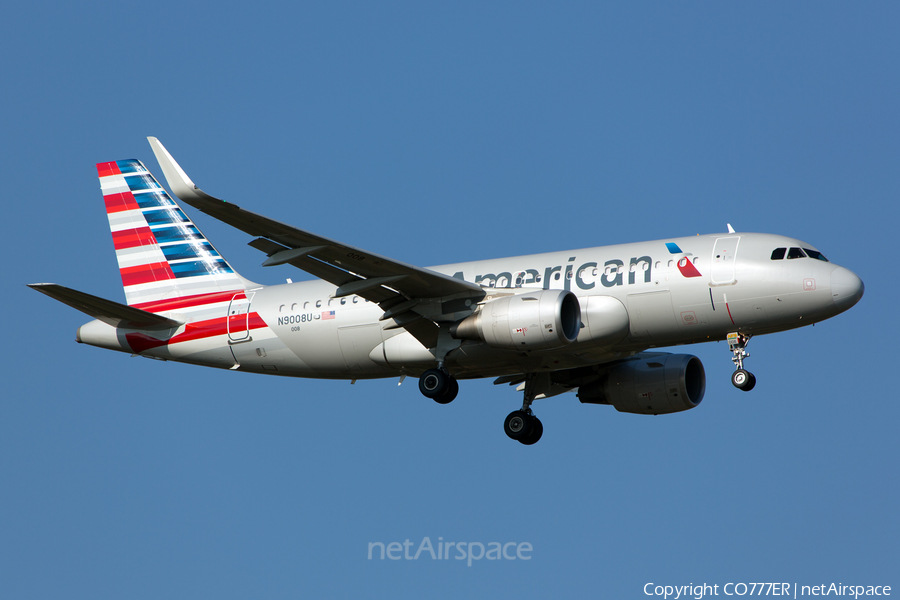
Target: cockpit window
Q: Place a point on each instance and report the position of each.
(815, 254)
(778, 253)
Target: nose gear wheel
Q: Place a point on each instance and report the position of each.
(741, 378)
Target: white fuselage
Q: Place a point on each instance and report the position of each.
(632, 296)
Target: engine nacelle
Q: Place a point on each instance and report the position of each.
(538, 320)
(651, 384)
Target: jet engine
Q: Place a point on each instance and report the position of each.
(538, 320)
(650, 384)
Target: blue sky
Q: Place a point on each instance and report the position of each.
(437, 134)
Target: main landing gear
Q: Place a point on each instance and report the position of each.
(741, 379)
(521, 425)
(439, 385)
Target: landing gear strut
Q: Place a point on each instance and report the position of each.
(521, 425)
(741, 379)
(438, 385)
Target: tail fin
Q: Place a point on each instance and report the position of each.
(161, 253)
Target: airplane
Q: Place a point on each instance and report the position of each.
(583, 321)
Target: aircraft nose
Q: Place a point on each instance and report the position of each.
(846, 288)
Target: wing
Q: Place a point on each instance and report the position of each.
(413, 297)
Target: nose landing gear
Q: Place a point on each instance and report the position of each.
(741, 379)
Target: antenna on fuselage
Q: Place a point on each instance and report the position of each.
(730, 228)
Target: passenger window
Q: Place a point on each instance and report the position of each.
(318, 304)
(355, 299)
(305, 305)
(778, 253)
(796, 253)
(815, 254)
(343, 301)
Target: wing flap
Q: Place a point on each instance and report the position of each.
(289, 254)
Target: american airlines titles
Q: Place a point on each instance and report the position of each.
(612, 274)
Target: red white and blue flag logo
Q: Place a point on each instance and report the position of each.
(685, 264)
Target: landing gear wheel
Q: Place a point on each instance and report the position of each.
(752, 383)
(434, 383)
(537, 430)
(743, 380)
(518, 425)
(448, 396)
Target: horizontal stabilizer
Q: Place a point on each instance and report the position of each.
(111, 313)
